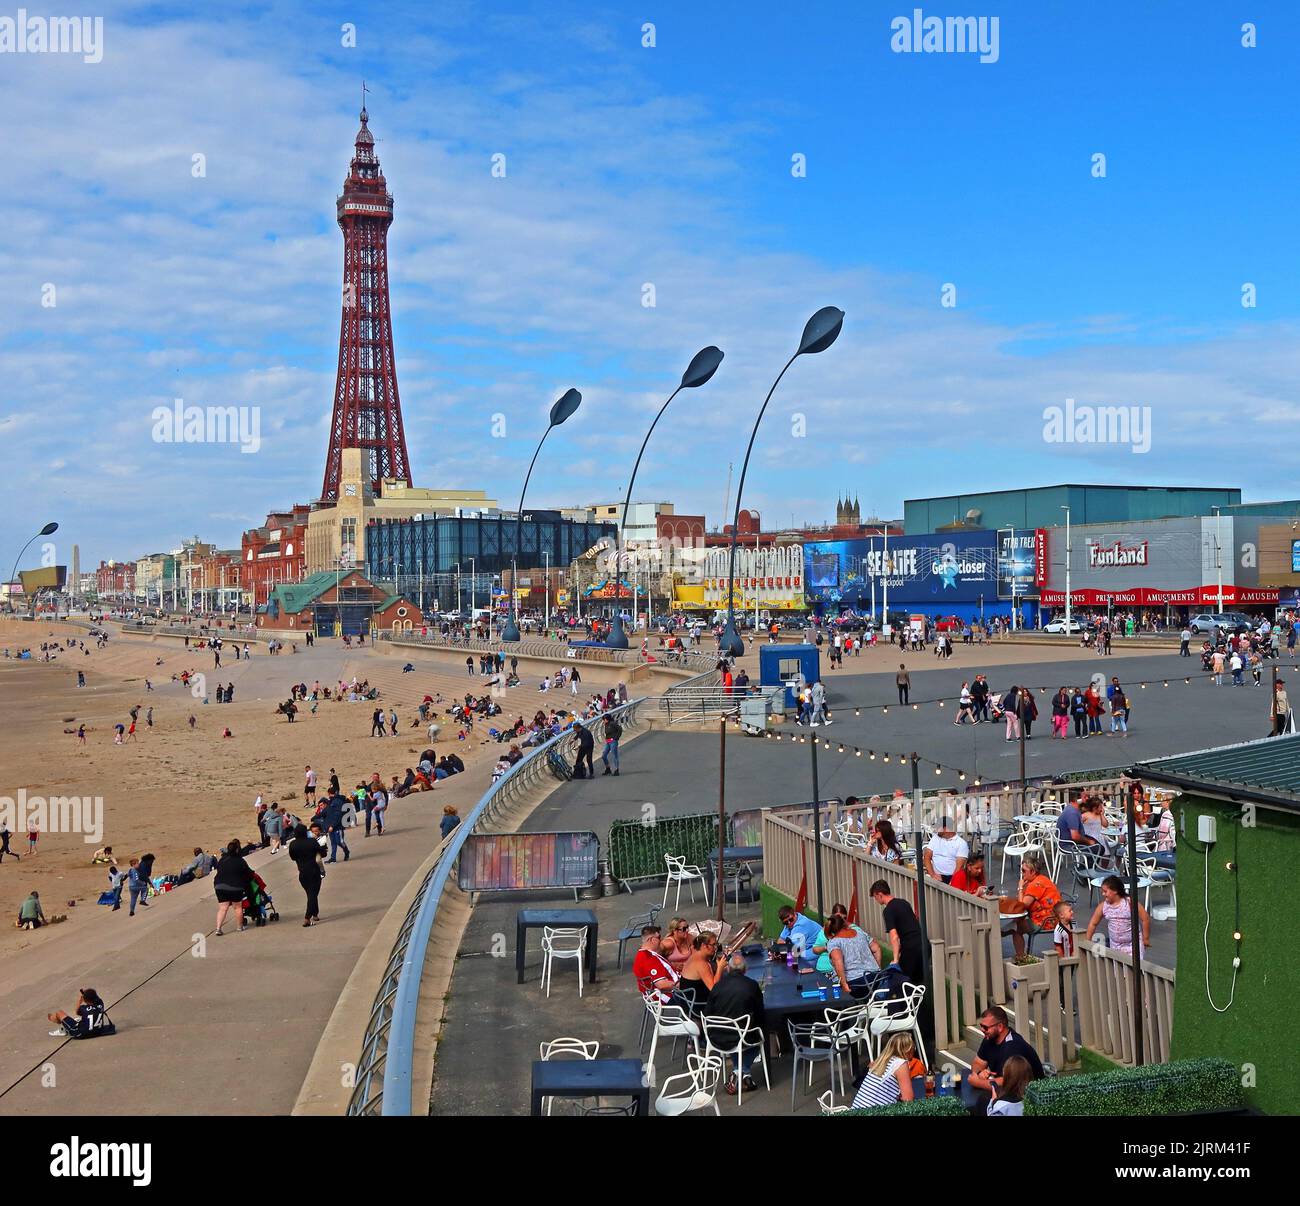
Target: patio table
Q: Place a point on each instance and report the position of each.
(590, 1078)
(534, 919)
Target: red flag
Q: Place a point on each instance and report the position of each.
(853, 900)
(802, 899)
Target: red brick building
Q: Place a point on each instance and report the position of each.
(274, 554)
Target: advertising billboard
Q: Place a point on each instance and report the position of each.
(947, 567)
(1018, 558)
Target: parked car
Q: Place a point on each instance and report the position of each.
(1058, 626)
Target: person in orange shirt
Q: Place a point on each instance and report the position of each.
(1038, 896)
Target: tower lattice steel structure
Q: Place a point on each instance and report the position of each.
(367, 409)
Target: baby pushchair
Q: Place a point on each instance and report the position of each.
(258, 903)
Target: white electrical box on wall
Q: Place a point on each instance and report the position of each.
(1207, 829)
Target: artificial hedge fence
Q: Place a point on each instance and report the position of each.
(922, 1107)
(1186, 1086)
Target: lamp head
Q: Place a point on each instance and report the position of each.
(565, 407)
(49, 529)
(823, 329)
(702, 367)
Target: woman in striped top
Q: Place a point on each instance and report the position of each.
(884, 844)
(888, 1080)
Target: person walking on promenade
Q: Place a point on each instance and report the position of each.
(613, 731)
(1185, 648)
(1281, 714)
(1028, 711)
(334, 826)
(1079, 712)
(307, 854)
(309, 787)
(1060, 714)
(586, 744)
(137, 886)
(1011, 710)
(1095, 708)
(903, 680)
(230, 883)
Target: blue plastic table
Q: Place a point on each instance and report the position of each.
(590, 1078)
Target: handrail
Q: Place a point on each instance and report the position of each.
(549, 649)
(388, 1049)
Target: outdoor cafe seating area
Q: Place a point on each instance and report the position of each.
(814, 1041)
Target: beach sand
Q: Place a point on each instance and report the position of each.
(174, 788)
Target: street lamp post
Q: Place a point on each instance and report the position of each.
(702, 366)
(48, 530)
(563, 409)
(546, 584)
(1068, 552)
(1218, 553)
(821, 330)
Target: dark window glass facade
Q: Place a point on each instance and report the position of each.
(436, 545)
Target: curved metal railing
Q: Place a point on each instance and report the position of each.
(383, 1076)
(687, 658)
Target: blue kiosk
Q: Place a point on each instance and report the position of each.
(783, 665)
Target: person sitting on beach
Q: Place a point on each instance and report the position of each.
(103, 855)
(200, 865)
(89, 1020)
(30, 914)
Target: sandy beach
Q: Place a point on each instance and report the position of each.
(173, 787)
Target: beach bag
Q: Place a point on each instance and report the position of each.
(108, 898)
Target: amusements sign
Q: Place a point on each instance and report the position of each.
(510, 862)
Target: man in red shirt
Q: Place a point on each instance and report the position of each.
(651, 969)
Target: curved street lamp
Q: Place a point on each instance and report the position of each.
(48, 530)
(699, 371)
(563, 409)
(822, 330)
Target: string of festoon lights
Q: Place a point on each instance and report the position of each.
(887, 758)
(915, 705)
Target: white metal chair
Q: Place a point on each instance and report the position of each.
(670, 1021)
(884, 1023)
(1024, 840)
(680, 872)
(726, 1037)
(1150, 875)
(562, 943)
(567, 1048)
(696, 1088)
(849, 1027)
(827, 1103)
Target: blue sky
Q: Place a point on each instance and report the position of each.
(668, 165)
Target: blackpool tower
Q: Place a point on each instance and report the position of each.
(367, 410)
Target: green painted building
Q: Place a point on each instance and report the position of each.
(1041, 507)
(1251, 794)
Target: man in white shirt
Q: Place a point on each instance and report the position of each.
(945, 853)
